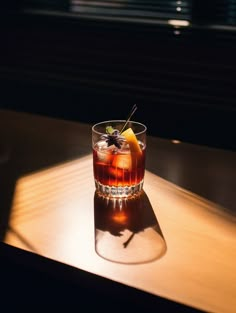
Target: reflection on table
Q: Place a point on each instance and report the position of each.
(127, 230)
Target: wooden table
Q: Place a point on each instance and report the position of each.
(47, 208)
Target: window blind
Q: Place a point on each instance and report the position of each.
(135, 9)
(217, 12)
(132, 10)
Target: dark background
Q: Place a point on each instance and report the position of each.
(88, 69)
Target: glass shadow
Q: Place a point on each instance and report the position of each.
(127, 230)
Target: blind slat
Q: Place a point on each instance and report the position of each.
(218, 12)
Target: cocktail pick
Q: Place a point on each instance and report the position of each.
(134, 108)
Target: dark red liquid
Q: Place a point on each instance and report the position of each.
(118, 168)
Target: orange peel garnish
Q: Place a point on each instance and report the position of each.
(135, 149)
(132, 141)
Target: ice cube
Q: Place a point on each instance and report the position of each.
(122, 161)
(104, 153)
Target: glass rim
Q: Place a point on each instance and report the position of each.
(119, 121)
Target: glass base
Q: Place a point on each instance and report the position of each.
(126, 191)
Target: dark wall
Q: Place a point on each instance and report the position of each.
(183, 80)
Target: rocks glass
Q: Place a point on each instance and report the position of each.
(119, 157)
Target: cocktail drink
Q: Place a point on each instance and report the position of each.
(119, 157)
